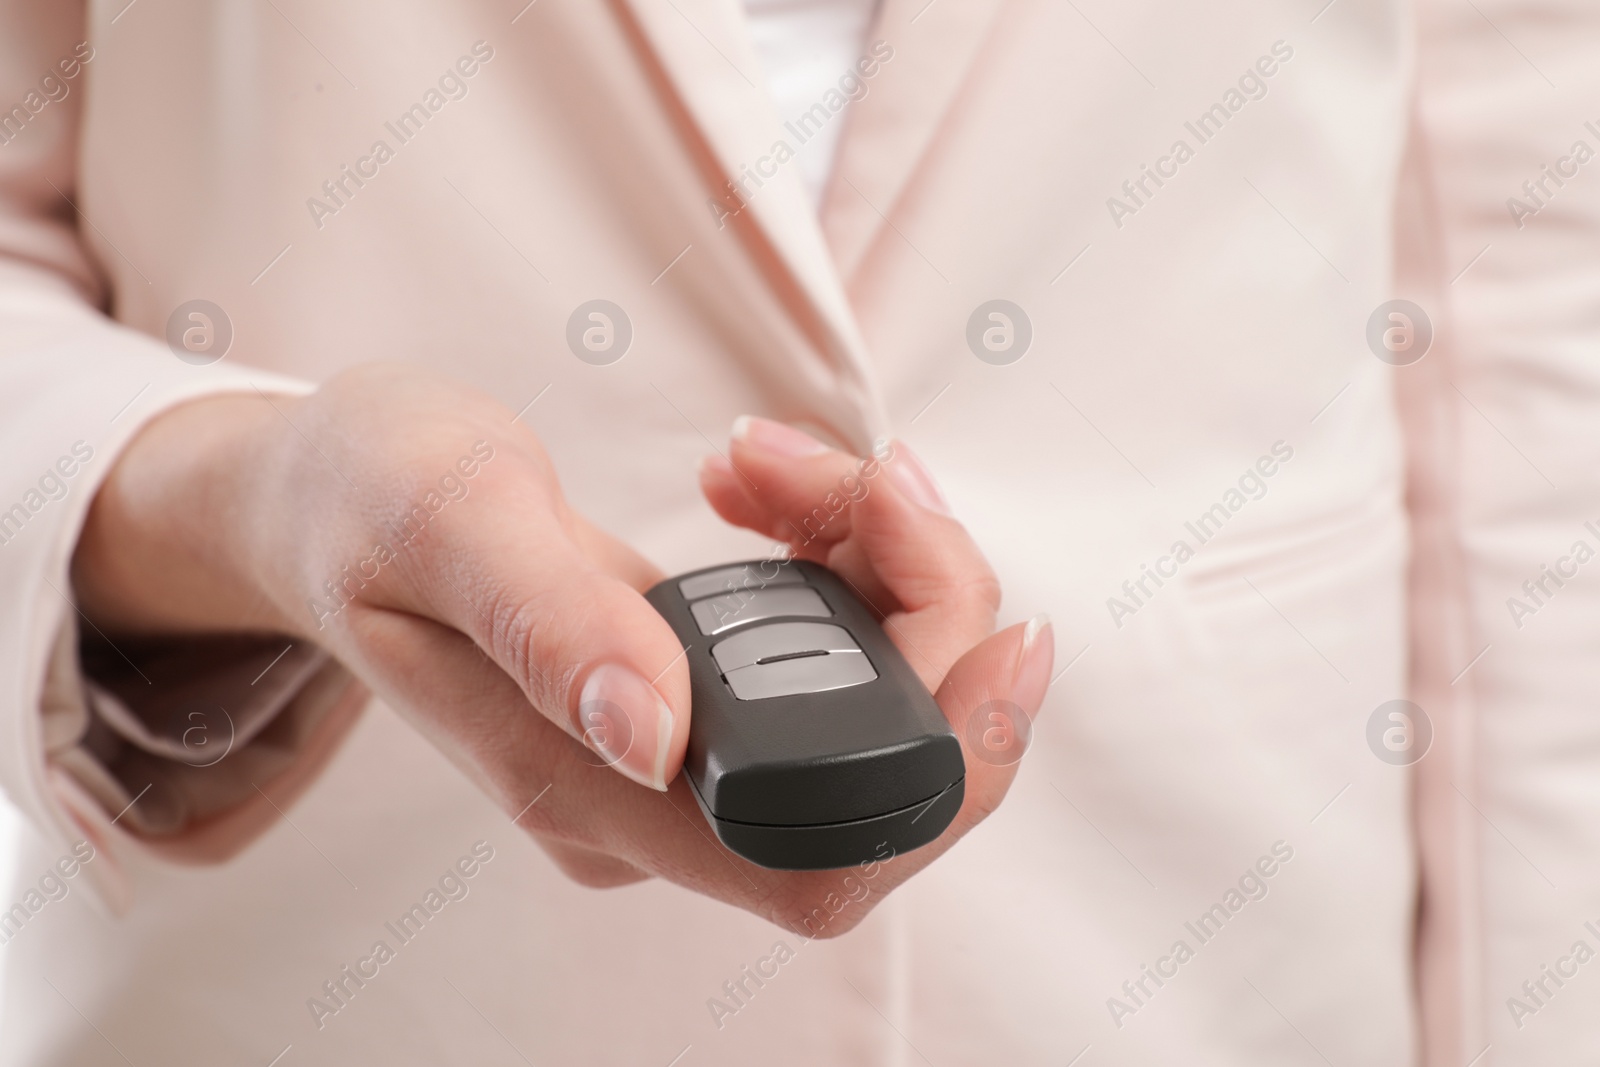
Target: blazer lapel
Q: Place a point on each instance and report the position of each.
(704, 57)
(934, 42)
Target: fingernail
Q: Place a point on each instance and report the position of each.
(715, 464)
(913, 479)
(626, 723)
(1032, 680)
(775, 437)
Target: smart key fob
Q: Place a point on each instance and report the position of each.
(812, 742)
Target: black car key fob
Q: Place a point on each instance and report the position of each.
(812, 742)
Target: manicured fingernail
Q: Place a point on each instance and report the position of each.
(1032, 680)
(776, 438)
(913, 479)
(626, 723)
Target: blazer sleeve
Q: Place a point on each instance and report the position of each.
(112, 756)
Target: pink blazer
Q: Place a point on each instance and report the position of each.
(1119, 271)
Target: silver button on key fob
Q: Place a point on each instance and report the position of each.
(812, 742)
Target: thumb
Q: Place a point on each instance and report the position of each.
(587, 650)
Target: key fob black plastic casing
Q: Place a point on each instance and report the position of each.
(812, 742)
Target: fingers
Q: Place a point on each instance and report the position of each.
(604, 831)
(461, 613)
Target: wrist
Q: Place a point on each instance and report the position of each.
(165, 547)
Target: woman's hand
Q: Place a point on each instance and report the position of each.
(413, 528)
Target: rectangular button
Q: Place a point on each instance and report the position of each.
(794, 677)
(749, 576)
(756, 643)
(721, 613)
